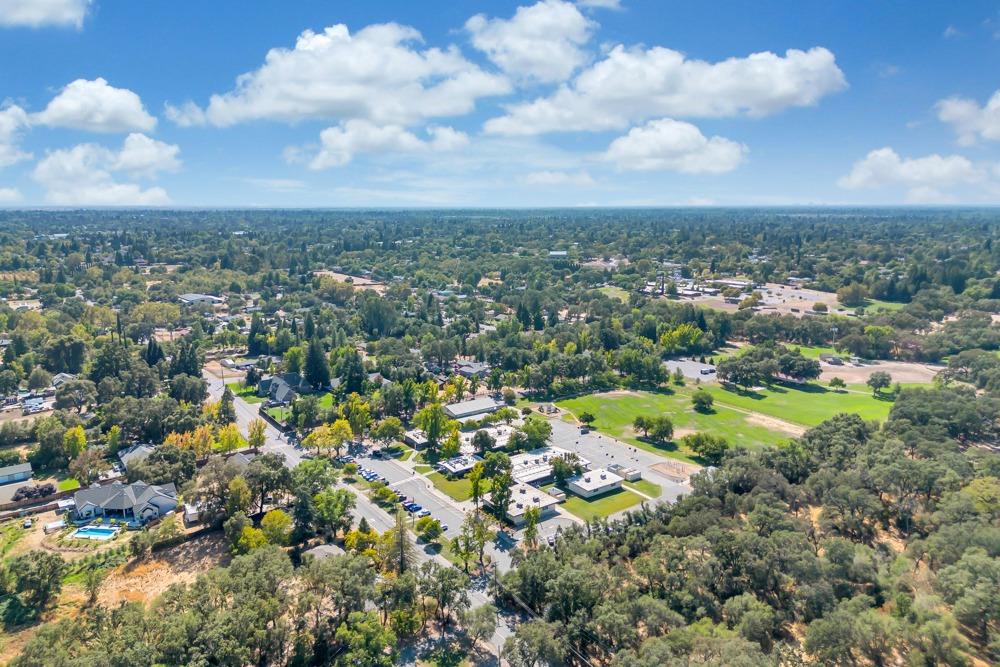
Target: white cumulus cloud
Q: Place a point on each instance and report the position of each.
(378, 74)
(541, 42)
(339, 145)
(9, 195)
(636, 84)
(38, 13)
(672, 145)
(970, 120)
(924, 177)
(86, 174)
(12, 120)
(96, 106)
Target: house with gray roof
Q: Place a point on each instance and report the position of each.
(18, 472)
(136, 503)
(134, 454)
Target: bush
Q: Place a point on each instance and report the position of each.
(702, 401)
(31, 492)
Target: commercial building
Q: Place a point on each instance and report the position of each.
(523, 497)
(594, 483)
(473, 408)
(536, 465)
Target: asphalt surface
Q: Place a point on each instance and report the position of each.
(377, 517)
(691, 369)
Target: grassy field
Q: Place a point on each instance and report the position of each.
(601, 506)
(457, 489)
(807, 406)
(644, 486)
(616, 412)
(615, 292)
(801, 408)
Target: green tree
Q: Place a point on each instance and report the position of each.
(368, 643)
(878, 381)
(702, 401)
(277, 527)
(317, 370)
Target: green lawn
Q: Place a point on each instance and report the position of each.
(614, 292)
(68, 484)
(280, 413)
(807, 406)
(249, 394)
(616, 412)
(644, 486)
(601, 506)
(423, 468)
(457, 489)
(875, 305)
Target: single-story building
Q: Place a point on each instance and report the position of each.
(61, 378)
(136, 503)
(323, 551)
(134, 454)
(471, 369)
(628, 474)
(594, 483)
(18, 472)
(458, 465)
(200, 299)
(415, 438)
(523, 497)
(473, 408)
(536, 465)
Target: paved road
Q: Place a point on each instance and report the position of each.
(377, 517)
(245, 413)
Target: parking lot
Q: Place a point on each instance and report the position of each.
(692, 370)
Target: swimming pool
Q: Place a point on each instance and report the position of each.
(95, 533)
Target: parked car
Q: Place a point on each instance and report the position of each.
(423, 513)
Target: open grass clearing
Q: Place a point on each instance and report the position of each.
(601, 506)
(644, 486)
(615, 412)
(459, 489)
(614, 292)
(808, 404)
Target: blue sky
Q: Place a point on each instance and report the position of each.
(555, 103)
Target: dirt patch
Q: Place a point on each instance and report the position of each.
(901, 371)
(216, 369)
(677, 471)
(621, 392)
(775, 424)
(143, 582)
(681, 432)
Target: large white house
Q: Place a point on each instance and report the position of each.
(136, 503)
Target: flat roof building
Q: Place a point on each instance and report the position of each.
(475, 407)
(594, 483)
(536, 465)
(523, 497)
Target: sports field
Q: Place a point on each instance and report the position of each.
(752, 419)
